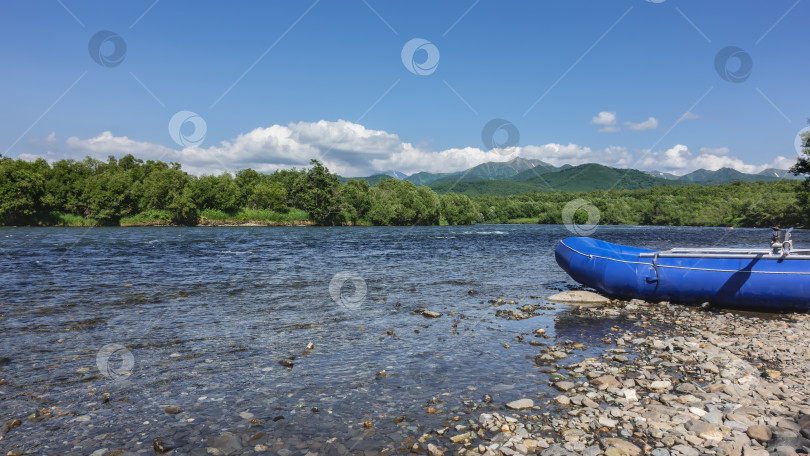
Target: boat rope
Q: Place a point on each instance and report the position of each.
(677, 267)
(657, 274)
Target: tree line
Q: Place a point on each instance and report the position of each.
(129, 190)
(132, 191)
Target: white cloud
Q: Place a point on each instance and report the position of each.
(714, 150)
(690, 116)
(604, 118)
(649, 124)
(107, 144)
(351, 149)
(346, 148)
(781, 162)
(573, 154)
(607, 120)
(679, 160)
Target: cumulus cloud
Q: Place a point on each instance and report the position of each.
(649, 124)
(573, 154)
(346, 148)
(606, 120)
(680, 160)
(107, 144)
(714, 150)
(351, 149)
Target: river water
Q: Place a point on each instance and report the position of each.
(102, 329)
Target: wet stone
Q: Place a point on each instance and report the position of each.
(520, 404)
(564, 386)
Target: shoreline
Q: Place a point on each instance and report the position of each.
(684, 380)
(303, 223)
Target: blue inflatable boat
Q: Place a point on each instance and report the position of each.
(774, 279)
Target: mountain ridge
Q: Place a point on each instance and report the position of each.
(530, 175)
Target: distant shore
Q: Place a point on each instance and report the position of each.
(216, 223)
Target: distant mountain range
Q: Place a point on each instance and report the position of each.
(521, 175)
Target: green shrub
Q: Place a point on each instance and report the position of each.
(266, 215)
(214, 214)
(151, 216)
(62, 219)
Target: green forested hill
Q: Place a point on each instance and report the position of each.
(724, 176)
(521, 175)
(484, 187)
(483, 172)
(539, 170)
(592, 176)
(577, 178)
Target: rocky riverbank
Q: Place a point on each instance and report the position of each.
(665, 380)
(681, 381)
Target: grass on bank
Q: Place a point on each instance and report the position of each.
(254, 216)
(62, 219)
(150, 217)
(523, 221)
(156, 217)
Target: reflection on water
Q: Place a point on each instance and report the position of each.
(217, 324)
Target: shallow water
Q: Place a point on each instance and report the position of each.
(198, 318)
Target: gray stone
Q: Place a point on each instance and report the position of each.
(619, 447)
(593, 450)
(605, 382)
(433, 450)
(225, 442)
(793, 442)
(686, 450)
(579, 297)
(607, 422)
(564, 386)
(686, 388)
(588, 402)
(713, 418)
(520, 404)
(557, 450)
(751, 451)
(661, 385)
(759, 433)
(562, 399)
(163, 445)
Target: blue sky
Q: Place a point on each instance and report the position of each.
(278, 83)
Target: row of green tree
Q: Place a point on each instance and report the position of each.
(758, 204)
(38, 193)
(105, 193)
